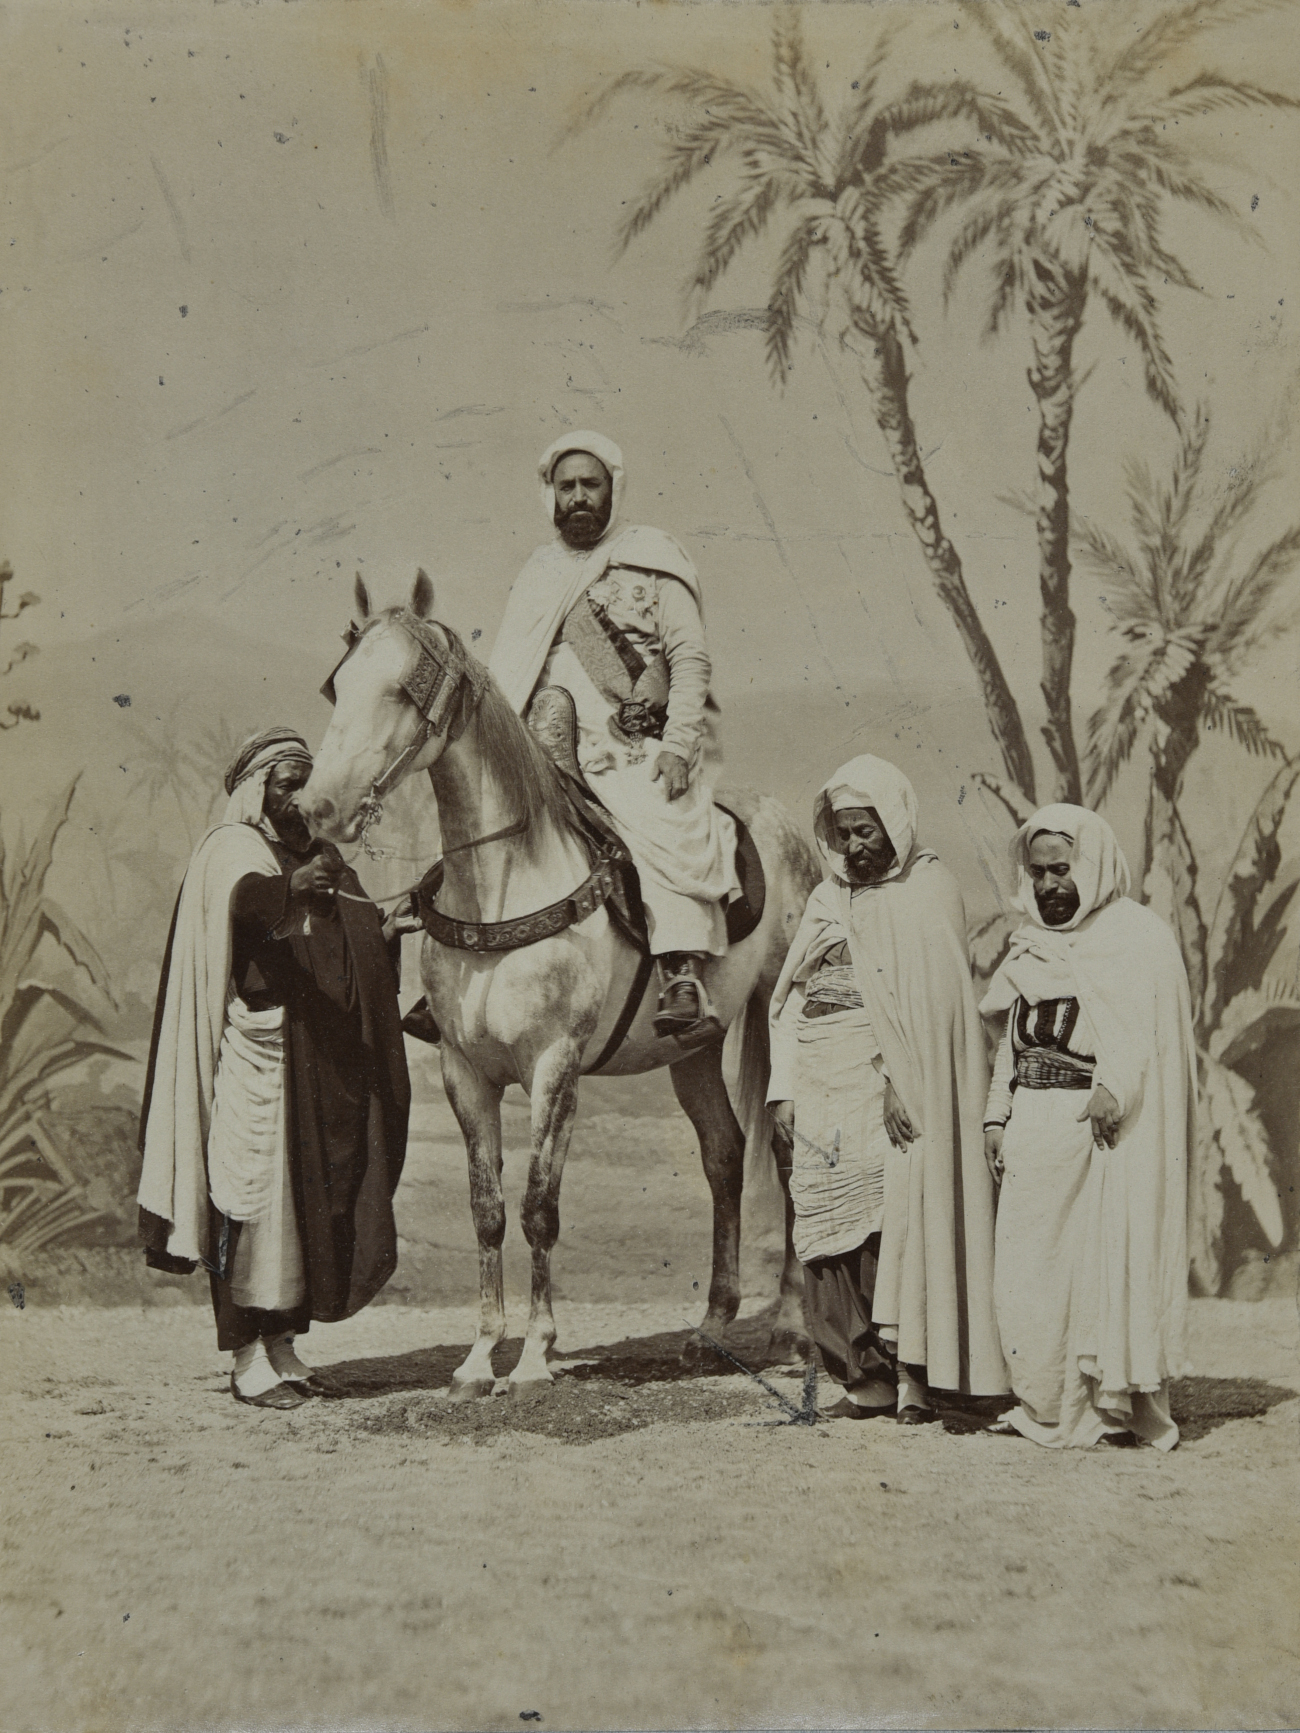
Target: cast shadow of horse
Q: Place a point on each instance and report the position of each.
(635, 1360)
(1199, 1405)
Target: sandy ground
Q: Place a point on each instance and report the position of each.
(670, 1555)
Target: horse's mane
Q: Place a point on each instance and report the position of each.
(531, 786)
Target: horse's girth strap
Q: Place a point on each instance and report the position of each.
(486, 936)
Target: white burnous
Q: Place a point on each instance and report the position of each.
(1091, 1117)
(612, 614)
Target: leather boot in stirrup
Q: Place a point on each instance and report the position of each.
(685, 1009)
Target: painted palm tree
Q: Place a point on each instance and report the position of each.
(1063, 191)
(1192, 611)
(823, 176)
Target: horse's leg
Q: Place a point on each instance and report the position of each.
(699, 1087)
(477, 1106)
(554, 1094)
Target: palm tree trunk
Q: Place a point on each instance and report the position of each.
(1056, 302)
(882, 364)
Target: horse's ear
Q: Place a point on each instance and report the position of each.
(422, 595)
(362, 596)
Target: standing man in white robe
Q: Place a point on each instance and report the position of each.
(1091, 1121)
(611, 615)
(900, 1078)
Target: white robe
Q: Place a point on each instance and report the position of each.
(1117, 1217)
(685, 849)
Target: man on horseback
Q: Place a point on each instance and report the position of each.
(603, 630)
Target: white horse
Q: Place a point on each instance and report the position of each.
(408, 697)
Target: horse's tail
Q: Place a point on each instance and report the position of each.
(764, 1201)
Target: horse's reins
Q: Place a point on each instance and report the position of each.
(519, 826)
(446, 685)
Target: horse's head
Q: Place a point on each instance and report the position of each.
(403, 688)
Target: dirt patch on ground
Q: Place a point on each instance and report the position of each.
(572, 1413)
(645, 1544)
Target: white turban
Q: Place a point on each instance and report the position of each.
(863, 782)
(600, 447)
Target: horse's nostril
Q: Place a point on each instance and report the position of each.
(323, 808)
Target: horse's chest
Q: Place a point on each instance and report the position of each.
(537, 994)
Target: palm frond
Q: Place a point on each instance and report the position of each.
(984, 220)
(1127, 579)
(793, 76)
(861, 128)
(1114, 728)
(736, 220)
(787, 290)
(1007, 795)
(950, 180)
(1173, 27)
(1254, 1017)
(1231, 954)
(1229, 1107)
(67, 934)
(1191, 189)
(869, 259)
(686, 156)
(1210, 92)
(1021, 62)
(1007, 285)
(1221, 711)
(1244, 608)
(995, 120)
(1130, 303)
(730, 103)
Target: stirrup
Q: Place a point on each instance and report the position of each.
(705, 1025)
(419, 1022)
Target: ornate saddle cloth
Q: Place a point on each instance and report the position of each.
(553, 720)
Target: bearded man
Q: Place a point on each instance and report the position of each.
(1090, 1121)
(275, 1108)
(612, 616)
(878, 1079)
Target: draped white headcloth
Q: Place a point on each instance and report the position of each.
(1044, 962)
(1097, 862)
(596, 443)
(863, 782)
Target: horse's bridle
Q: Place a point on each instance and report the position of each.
(443, 682)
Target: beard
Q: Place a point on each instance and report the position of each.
(1057, 906)
(865, 866)
(582, 526)
(291, 828)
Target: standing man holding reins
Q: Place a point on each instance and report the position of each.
(611, 615)
(274, 1118)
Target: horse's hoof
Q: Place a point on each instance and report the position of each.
(529, 1386)
(697, 1355)
(788, 1348)
(468, 1389)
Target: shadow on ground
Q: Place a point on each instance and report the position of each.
(636, 1360)
(644, 1380)
(1201, 1404)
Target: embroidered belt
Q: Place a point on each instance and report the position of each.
(545, 923)
(1036, 1068)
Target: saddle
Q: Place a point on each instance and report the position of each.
(553, 721)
